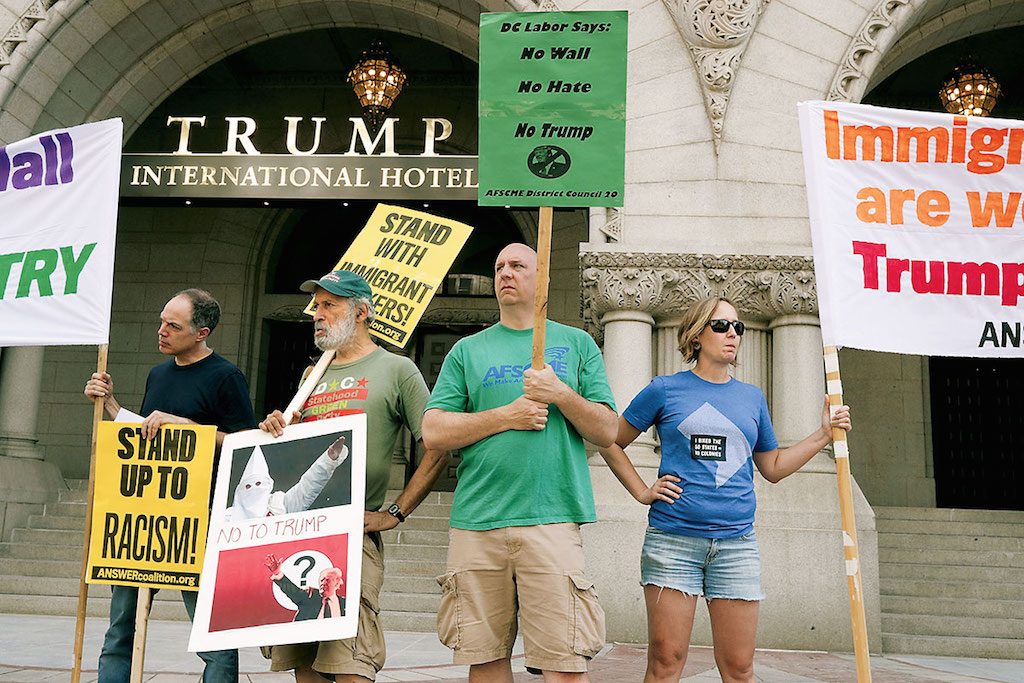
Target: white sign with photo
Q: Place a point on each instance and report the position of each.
(283, 560)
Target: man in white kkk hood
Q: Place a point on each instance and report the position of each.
(255, 495)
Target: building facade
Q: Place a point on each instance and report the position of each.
(715, 203)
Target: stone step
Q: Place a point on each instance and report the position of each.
(958, 606)
(917, 526)
(422, 622)
(50, 537)
(54, 522)
(53, 568)
(72, 496)
(410, 602)
(994, 648)
(423, 523)
(950, 515)
(172, 610)
(965, 590)
(411, 584)
(887, 570)
(26, 585)
(953, 626)
(432, 498)
(35, 551)
(410, 568)
(416, 537)
(77, 484)
(60, 509)
(934, 625)
(940, 542)
(959, 558)
(426, 553)
(429, 511)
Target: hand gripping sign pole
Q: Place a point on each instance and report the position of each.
(308, 385)
(854, 582)
(540, 297)
(83, 589)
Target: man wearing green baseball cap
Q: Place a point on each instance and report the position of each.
(390, 389)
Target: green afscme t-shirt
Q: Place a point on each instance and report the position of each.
(521, 478)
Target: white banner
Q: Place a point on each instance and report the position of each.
(284, 555)
(917, 221)
(58, 217)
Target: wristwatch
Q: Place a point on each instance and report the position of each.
(396, 512)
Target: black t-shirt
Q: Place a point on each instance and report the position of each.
(211, 391)
(208, 392)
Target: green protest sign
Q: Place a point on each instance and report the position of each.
(552, 108)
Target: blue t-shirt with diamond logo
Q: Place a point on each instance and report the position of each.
(708, 434)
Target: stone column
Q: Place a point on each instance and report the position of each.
(755, 363)
(798, 386)
(628, 360)
(26, 481)
(21, 370)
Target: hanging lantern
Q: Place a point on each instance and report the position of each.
(377, 79)
(971, 90)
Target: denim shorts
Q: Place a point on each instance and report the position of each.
(727, 568)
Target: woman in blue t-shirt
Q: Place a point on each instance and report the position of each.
(700, 539)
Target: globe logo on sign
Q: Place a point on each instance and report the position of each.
(548, 161)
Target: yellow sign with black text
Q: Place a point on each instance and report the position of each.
(404, 254)
(151, 505)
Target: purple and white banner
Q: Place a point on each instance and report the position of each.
(58, 220)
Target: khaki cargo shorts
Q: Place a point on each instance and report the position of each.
(359, 656)
(536, 571)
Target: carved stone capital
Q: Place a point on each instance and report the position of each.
(716, 33)
(663, 285)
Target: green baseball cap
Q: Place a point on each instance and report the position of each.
(342, 283)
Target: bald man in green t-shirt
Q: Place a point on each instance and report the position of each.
(524, 487)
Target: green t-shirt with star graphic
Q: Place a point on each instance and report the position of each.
(390, 390)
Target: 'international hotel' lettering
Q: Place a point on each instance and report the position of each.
(50, 166)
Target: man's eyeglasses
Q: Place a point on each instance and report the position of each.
(721, 326)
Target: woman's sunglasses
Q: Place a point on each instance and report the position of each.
(721, 326)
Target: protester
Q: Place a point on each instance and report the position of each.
(700, 539)
(524, 487)
(390, 390)
(195, 386)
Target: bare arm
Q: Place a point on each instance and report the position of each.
(447, 431)
(422, 481)
(594, 421)
(619, 463)
(778, 464)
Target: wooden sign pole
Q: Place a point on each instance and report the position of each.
(308, 385)
(853, 576)
(540, 297)
(83, 588)
(142, 609)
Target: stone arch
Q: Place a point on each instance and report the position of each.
(93, 60)
(896, 32)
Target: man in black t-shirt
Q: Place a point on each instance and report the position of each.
(195, 386)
